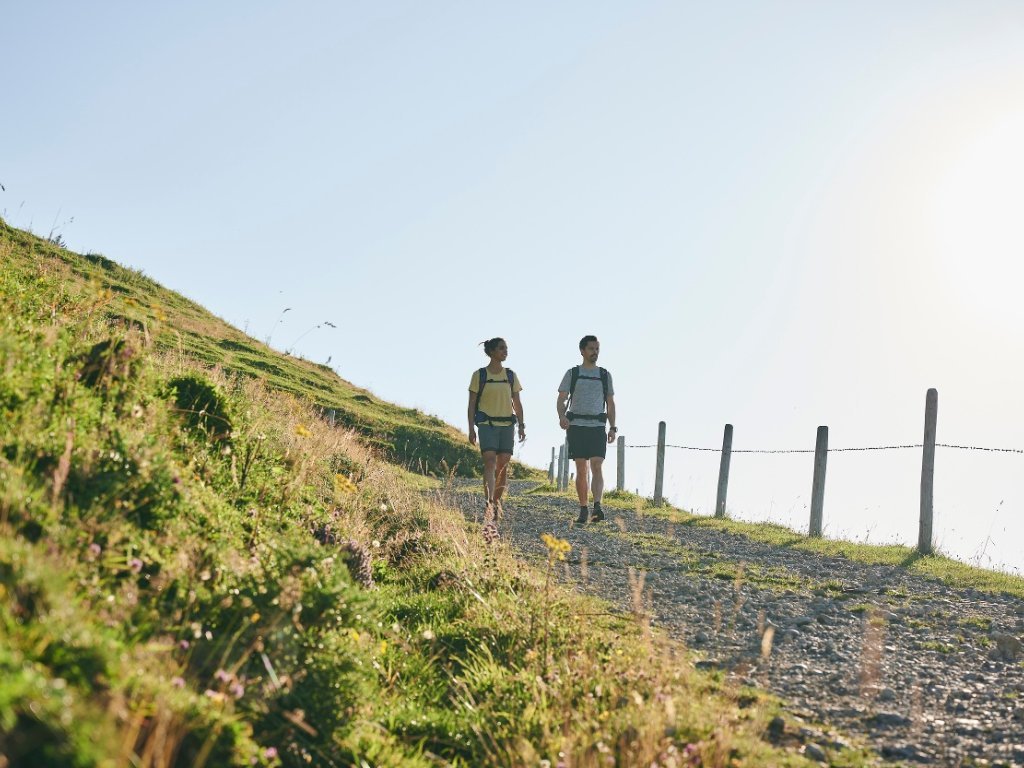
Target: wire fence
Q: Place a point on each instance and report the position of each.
(836, 450)
(559, 472)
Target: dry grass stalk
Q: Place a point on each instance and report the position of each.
(767, 638)
(871, 653)
(584, 566)
(60, 474)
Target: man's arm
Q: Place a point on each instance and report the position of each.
(612, 431)
(471, 415)
(517, 406)
(562, 406)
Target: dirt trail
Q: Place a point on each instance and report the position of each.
(926, 673)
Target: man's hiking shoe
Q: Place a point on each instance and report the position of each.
(582, 519)
(598, 515)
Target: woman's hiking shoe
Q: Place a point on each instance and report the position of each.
(584, 514)
(598, 515)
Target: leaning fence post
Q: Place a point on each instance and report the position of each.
(659, 472)
(931, 413)
(818, 486)
(551, 467)
(723, 471)
(620, 464)
(330, 416)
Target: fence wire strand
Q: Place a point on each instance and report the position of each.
(838, 450)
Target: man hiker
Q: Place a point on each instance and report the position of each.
(494, 410)
(586, 404)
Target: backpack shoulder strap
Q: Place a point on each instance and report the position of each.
(482, 376)
(604, 382)
(574, 376)
(511, 380)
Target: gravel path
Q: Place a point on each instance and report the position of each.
(926, 674)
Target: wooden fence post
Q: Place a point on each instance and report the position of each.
(330, 416)
(723, 471)
(551, 468)
(565, 467)
(620, 464)
(818, 486)
(659, 472)
(931, 413)
(561, 467)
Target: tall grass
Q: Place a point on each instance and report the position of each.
(195, 569)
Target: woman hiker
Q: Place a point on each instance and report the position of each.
(494, 410)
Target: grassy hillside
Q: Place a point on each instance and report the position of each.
(196, 570)
(178, 326)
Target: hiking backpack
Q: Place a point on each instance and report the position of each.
(574, 377)
(480, 417)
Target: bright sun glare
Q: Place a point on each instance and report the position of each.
(979, 222)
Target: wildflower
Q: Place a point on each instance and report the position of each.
(556, 547)
(428, 634)
(184, 644)
(135, 564)
(237, 689)
(270, 753)
(343, 485)
(383, 507)
(255, 618)
(178, 682)
(221, 675)
(214, 695)
(302, 431)
(95, 550)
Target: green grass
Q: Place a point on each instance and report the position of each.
(180, 327)
(186, 550)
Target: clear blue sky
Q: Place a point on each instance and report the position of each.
(774, 214)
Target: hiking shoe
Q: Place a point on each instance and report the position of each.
(582, 519)
(598, 515)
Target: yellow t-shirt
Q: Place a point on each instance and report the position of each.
(496, 400)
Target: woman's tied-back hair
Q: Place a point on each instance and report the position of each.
(586, 340)
(491, 344)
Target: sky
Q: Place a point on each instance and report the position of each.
(777, 215)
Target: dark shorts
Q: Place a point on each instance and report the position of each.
(587, 442)
(497, 439)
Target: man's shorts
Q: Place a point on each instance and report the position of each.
(587, 442)
(497, 439)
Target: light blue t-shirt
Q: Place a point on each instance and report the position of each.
(589, 396)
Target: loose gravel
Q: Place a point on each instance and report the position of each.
(922, 672)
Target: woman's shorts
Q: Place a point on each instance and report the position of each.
(587, 442)
(497, 439)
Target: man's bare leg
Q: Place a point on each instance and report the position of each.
(597, 487)
(581, 489)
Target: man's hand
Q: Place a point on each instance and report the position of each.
(563, 422)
